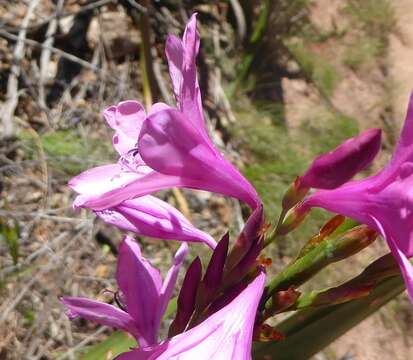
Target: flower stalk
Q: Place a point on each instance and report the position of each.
(330, 250)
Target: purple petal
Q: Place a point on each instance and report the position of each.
(100, 313)
(169, 283)
(159, 106)
(225, 335)
(181, 56)
(187, 297)
(336, 167)
(174, 53)
(140, 284)
(214, 272)
(247, 238)
(149, 216)
(126, 119)
(107, 186)
(405, 265)
(195, 161)
(92, 183)
(403, 152)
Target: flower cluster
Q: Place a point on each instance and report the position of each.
(170, 147)
(220, 311)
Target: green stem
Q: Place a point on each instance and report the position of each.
(381, 269)
(274, 234)
(325, 253)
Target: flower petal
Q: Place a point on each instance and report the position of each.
(169, 283)
(140, 284)
(181, 56)
(126, 118)
(403, 152)
(225, 335)
(159, 106)
(100, 313)
(332, 169)
(106, 180)
(174, 53)
(187, 297)
(171, 145)
(405, 266)
(150, 216)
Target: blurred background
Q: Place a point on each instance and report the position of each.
(281, 80)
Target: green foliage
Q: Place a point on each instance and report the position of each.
(315, 67)
(29, 317)
(323, 130)
(9, 232)
(115, 344)
(375, 20)
(67, 152)
(377, 17)
(269, 23)
(362, 51)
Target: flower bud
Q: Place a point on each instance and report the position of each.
(293, 218)
(187, 298)
(294, 194)
(333, 169)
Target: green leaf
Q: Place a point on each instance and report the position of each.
(115, 344)
(10, 234)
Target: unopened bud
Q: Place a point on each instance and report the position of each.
(352, 242)
(281, 301)
(332, 169)
(294, 194)
(265, 333)
(293, 218)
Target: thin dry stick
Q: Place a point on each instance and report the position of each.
(46, 52)
(62, 53)
(9, 107)
(7, 308)
(163, 88)
(83, 9)
(240, 18)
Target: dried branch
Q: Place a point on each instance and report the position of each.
(62, 53)
(12, 97)
(46, 51)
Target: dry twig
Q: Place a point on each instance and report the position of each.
(62, 53)
(46, 51)
(12, 98)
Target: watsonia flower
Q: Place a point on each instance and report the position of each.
(167, 147)
(383, 201)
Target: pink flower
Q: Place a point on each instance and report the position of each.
(383, 201)
(168, 148)
(225, 335)
(143, 296)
